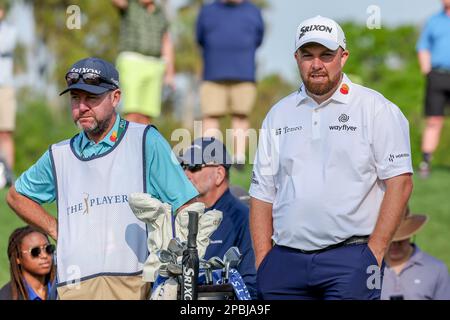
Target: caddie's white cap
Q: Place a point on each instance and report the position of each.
(320, 30)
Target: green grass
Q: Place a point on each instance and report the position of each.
(429, 196)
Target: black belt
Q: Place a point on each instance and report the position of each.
(350, 241)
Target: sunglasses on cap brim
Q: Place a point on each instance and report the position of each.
(197, 167)
(88, 78)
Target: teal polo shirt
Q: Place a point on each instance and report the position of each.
(166, 180)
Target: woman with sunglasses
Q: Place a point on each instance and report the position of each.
(31, 265)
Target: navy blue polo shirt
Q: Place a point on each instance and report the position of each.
(234, 231)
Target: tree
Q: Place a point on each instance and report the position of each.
(97, 35)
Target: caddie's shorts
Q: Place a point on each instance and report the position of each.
(7, 109)
(141, 79)
(219, 98)
(437, 92)
(345, 273)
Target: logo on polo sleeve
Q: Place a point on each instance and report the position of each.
(393, 157)
(254, 180)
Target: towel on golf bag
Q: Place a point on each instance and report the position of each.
(208, 222)
(158, 217)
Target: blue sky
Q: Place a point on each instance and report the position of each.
(283, 16)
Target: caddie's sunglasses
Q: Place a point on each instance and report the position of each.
(36, 251)
(197, 167)
(88, 78)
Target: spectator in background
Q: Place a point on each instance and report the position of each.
(410, 273)
(7, 97)
(30, 257)
(207, 163)
(146, 58)
(434, 59)
(229, 32)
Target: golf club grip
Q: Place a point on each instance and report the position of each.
(190, 262)
(192, 229)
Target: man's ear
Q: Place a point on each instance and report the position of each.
(220, 175)
(115, 97)
(344, 57)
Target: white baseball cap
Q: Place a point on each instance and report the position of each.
(324, 31)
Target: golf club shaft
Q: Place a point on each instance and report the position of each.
(190, 262)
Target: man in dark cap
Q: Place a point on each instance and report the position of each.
(101, 244)
(207, 163)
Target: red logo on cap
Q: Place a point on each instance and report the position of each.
(344, 89)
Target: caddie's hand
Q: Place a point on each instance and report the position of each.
(54, 235)
(53, 232)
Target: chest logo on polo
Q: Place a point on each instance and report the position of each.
(344, 88)
(113, 136)
(343, 118)
(88, 203)
(287, 129)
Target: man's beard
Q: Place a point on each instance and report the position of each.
(97, 128)
(319, 89)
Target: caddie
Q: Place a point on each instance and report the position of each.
(101, 245)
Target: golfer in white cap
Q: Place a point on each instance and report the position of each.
(331, 179)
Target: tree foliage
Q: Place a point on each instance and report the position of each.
(97, 36)
(383, 59)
